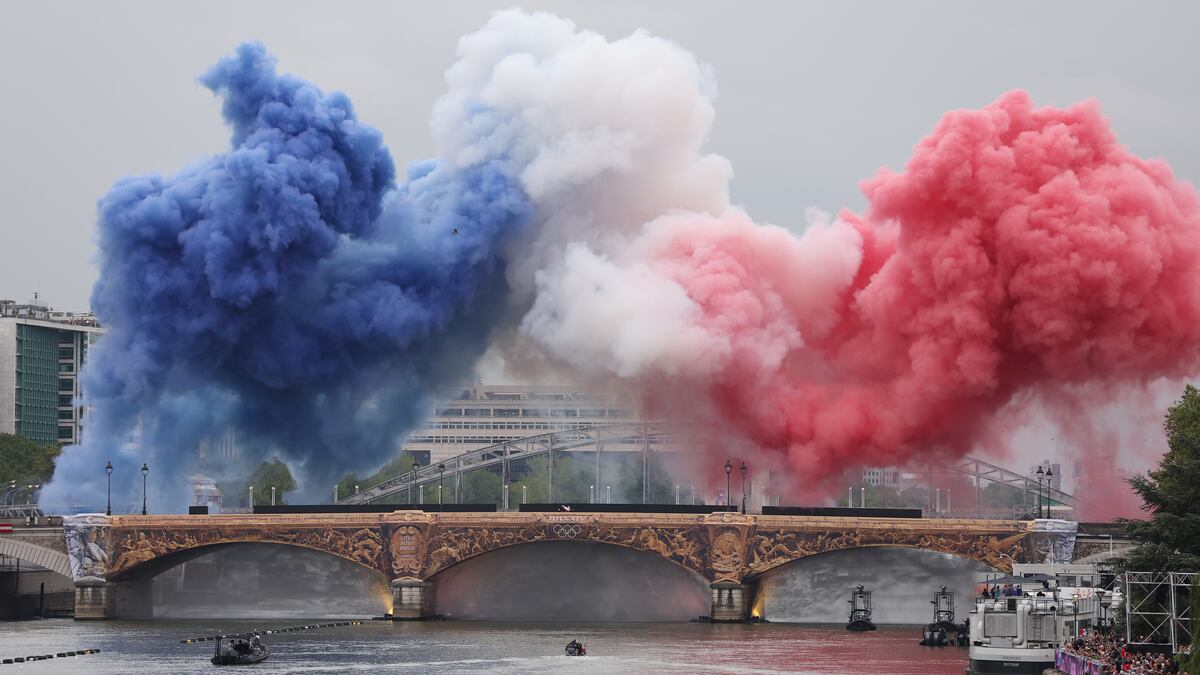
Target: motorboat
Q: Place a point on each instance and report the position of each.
(938, 633)
(240, 652)
(860, 610)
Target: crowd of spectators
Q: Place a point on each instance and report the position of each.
(1111, 651)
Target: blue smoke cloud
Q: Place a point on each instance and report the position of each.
(289, 289)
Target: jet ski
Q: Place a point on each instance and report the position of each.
(576, 648)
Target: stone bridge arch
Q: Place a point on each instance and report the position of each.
(33, 554)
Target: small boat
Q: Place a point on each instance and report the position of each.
(576, 648)
(860, 610)
(934, 635)
(937, 634)
(240, 652)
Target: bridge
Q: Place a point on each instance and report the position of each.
(730, 551)
(643, 437)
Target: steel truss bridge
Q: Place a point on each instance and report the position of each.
(641, 437)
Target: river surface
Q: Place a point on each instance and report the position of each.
(478, 647)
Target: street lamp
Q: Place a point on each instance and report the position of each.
(676, 495)
(1049, 475)
(591, 494)
(607, 494)
(272, 495)
(441, 472)
(145, 472)
(108, 470)
(251, 499)
(1041, 474)
(728, 470)
(1105, 604)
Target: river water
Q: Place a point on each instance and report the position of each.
(478, 647)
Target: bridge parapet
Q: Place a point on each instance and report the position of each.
(410, 548)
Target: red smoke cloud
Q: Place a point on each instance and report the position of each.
(1021, 250)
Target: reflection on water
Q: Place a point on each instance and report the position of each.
(902, 581)
(478, 647)
(269, 580)
(570, 580)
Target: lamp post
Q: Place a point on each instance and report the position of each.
(251, 499)
(1041, 474)
(742, 471)
(355, 489)
(1105, 604)
(441, 472)
(728, 470)
(1049, 476)
(608, 494)
(145, 472)
(591, 494)
(272, 495)
(108, 470)
(676, 495)
(693, 489)
(524, 494)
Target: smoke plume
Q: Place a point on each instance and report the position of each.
(292, 289)
(1022, 251)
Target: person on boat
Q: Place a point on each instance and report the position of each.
(256, 643)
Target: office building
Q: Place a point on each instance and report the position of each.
(484, 415)
(41, 352)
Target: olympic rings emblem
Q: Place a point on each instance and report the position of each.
(567, 530)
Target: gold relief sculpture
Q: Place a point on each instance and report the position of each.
(132, 547)
(771, 548)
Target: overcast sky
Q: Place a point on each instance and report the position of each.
(813, 96)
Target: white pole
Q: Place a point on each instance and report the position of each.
(251, 498)
(505, 488)
(850, 499)
(421, 493)
(862, 497)
(937, 508)
(676, 495)
(693, 487)
(947, 500)
(608, 493)
(335, 494)
(591, 494)
(272, 495)
(524, 495)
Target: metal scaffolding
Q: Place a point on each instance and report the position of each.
(1158, 607)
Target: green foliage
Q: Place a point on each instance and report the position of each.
(481, 486)
(661, 490)
(396, 467)
(26, 463)
(1170, 539)
(272, 474)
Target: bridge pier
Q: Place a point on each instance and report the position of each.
(412, 598)
(94, 600)
(730, 602)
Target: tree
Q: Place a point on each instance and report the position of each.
(1170, 539)
(661, 489)
(273, 474)
(26, 463)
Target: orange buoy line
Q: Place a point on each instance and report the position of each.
(271, 631)
(46, 657)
